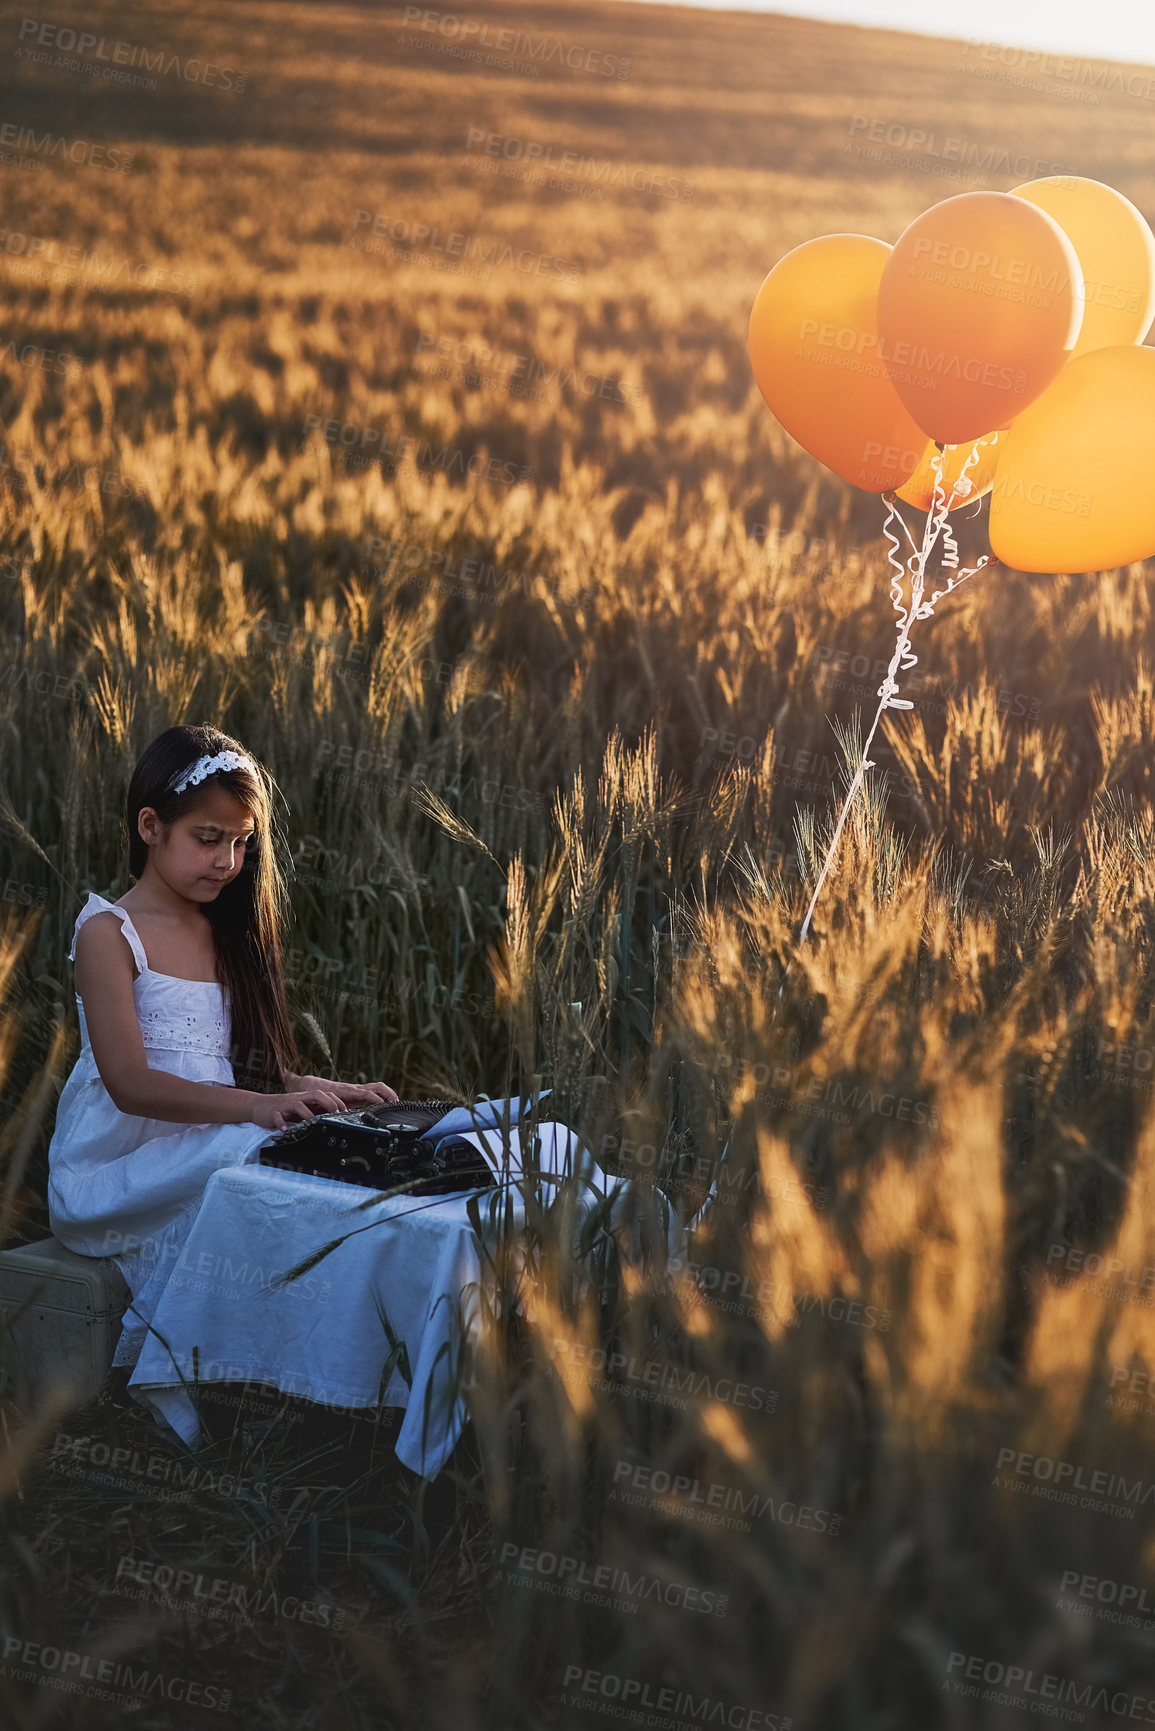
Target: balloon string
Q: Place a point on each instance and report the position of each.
(952, 564)
(952, 584)
(898, 568)
(940, 508)
(887, 691)
(904, 657)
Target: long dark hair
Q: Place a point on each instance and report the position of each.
(249, 914)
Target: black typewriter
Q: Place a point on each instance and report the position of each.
(382, 1147)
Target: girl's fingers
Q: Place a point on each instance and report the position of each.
(358, 1094)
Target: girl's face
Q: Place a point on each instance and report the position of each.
(203, 849)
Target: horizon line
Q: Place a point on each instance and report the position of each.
(833, 12)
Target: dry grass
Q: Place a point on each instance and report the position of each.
(596, 769)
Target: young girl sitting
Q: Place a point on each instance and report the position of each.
(175, 978)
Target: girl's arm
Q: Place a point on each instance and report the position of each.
(104, 982)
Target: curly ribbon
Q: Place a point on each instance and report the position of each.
(904, 657)
(898, 568)
(940, 510)
(953, 582)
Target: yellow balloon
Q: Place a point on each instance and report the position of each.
(958, 489)
(1116, 249)
(1073, 487)
(814, 348)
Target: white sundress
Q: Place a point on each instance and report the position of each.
(128, 1187)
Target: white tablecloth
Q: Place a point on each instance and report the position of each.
(414, 1259)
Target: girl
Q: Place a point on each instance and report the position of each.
(173, 980)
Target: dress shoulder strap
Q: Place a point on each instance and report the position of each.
(98, 905)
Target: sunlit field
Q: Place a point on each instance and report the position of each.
(448, 490)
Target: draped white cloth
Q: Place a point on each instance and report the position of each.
(411, 1274)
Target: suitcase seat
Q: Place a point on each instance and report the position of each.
(60, 1317)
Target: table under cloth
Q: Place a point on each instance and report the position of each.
(414, 1260)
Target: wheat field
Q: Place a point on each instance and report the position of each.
(374, 387)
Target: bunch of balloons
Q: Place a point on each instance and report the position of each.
(1012, 313)
(995, 348)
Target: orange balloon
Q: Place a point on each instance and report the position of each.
(979, 307)
(813, 344)
(1116, 252)
(958, 489)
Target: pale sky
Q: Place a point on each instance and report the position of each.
(1105, 29)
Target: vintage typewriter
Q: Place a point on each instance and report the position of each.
(383, 1147)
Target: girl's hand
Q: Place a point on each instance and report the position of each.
(354, 1093)
(275, 1111)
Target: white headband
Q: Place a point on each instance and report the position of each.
(196, 772)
